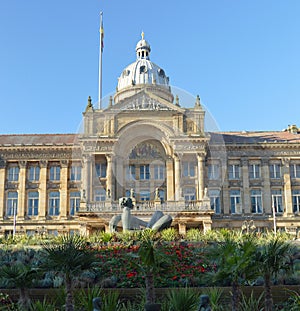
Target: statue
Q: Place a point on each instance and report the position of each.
(204, 303)
(158, 221)
(97, 304)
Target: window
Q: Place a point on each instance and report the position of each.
(189, 194)
(54, 203)
(214, 196)
(234, 171)
(75, 173)
(188, 169)
(295, 170)
(275, 171)
(34, 173)
(277, 200)
(159, 172)
(12, 203)
(33, 203)
(254, 171)
(213, 171)
(100, 194)
(235, 202)
(54, 173)
(101, 170)
(296, 200)
(13, 173)
(144, 172)
(130, 172)
(145, 195)
(74, 202)
(256, 201)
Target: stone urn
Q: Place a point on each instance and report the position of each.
(152, 307)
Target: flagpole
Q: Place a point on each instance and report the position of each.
(100, 61)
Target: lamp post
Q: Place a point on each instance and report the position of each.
(274, 218)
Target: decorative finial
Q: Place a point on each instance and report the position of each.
(90, 101)
(177, 101)
(197, 101)
(110, 101)
(143, 35)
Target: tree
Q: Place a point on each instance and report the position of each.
(234, 260)
(70, 258)
(273, 256)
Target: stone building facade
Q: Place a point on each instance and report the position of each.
(147, 146)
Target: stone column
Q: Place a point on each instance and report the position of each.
(225, 202)
(119, 176)
(177, 178)
(86, 178)
(170, 179)
(2, 189)
(182, 228)
(64, 188)
(267, 200)
(43, 190)
(109, 178)
(246, 190)
(200, 165)
(22, 190)
(287, 188)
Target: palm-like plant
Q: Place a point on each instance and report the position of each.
(273, 256)
(70, 258)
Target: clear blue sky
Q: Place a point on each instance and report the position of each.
(241, 56)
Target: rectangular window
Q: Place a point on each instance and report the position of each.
(13, 173)
(130, 172)
(256, 201)
(234, 171)
(144, 172)
(33, 203)
(54, 203)
(12, 203)
(275, 171)
(213, 171)
(214, 196)
(188, 169)
(277, 200)
(296, 200)
(254, 171)
(145, 195)
(235, 202)
(295, 170)
(74, 202)
(75, 173)
(100, 194)
(189, 194)
(34, 173)
(54, 173)
(159, 172)
(101, 170)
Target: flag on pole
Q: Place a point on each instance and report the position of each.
(101, 32)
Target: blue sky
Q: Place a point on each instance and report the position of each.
(240, 56)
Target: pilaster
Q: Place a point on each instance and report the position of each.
(109, 178)
(267, 200)
(64, 188)
(2, 189)
(246, 190)
(287, 188)
(22, 190)
(43, 189)
(177, 178)
(170, 179)
(200, 165)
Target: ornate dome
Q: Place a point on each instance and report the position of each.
(143, 73)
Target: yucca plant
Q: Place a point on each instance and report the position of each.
(251, 303)
(169, 234)
(110, 301)
(215, 295)
(84, 297)
(294, 300)
(44, 305)
(183, 299)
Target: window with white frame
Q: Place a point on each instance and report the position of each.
(214, 196)
(254, 171)
(54, 203)
(233, 171)
(34, 173)
(188, 168)
(295, 170)
(75, 172)
(145, 195)
(145, 172)
(213, 171)
(100, 194)
(159, 171)
(296, 200)
(33, 203)
(54, 173)
(101, 170)
(13, 173)
(12, 203)
(275, 170)
(130, 172)
(277, 200)
(74, 202)
(256, 201)
(235, 201)
(189, 193)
